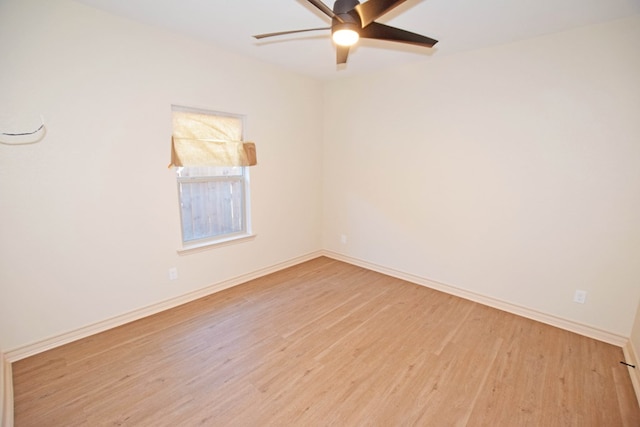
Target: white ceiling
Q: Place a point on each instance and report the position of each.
(459, 25)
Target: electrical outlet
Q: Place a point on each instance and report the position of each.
(580, 296)
(343, 239)
(173, 273)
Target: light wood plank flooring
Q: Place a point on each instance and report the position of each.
(327, 343)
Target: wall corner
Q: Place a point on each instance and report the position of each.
(6, 392)
(631, 357)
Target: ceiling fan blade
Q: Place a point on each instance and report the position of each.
(371, 10)
(342, 54)
(325, 9)
(282, 33)
(384, 32)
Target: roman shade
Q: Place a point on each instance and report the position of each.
(206, 140)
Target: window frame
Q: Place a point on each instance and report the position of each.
(244, 180)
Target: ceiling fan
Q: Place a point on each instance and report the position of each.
(351, 20)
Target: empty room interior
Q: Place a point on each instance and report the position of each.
(443, 235)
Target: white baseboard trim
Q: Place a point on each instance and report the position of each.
(631, 357)
(86, 331)
(559, 322)
(6, 392)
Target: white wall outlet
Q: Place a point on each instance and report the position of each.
(580, 296)
(173, 273)
(343, 239)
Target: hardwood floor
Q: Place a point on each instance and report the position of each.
(327, 343)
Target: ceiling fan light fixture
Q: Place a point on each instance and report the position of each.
(345, 33)
(345, 37)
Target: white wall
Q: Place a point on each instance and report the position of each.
(635, 333)
(89, 219)
(512, 172)
(4, 383)
(6, 392)
(631, 351)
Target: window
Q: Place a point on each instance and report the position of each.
(212, 202)
(213, 193)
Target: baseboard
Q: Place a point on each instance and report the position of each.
(58, 340)
(6, 392)
(569, 325)
(631, 357)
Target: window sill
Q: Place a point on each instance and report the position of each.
(203, 246)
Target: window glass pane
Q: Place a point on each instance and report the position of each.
(211, 208)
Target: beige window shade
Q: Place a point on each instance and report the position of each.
(209, 140)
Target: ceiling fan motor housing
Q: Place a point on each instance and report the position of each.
(344, 6)
(345, 10)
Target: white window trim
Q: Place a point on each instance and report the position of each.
(187, 249)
